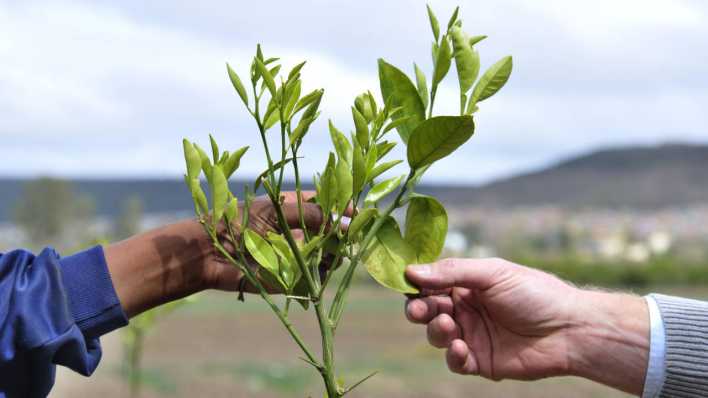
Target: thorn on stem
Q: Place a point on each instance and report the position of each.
(358, 383)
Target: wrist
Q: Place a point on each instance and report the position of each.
(609, 342)
(160, 265)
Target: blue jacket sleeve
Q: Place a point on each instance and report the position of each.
(52, 312)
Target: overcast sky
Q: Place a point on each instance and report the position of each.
(109, 88)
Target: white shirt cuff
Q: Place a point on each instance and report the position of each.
(656, 372)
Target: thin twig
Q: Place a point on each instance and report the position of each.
(358, 383)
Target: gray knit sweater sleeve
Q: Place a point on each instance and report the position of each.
(686, 326)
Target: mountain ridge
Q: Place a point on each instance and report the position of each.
(649, 177)
(637, 177)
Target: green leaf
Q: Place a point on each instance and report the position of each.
(426, 227)
(362, 128)
(191, 157)
(387, 257)
(296, 70)
(443, 61)
(219, 194)
(289, 270)
(231, 211)
(236, 82)
(344, 185)
(214, 149)
(234, 161)
(274, 71)
(383, 148)
(371, 158)
(491, 81)
(327, 194)
(201, 205)
(363, 104)
(310, 246)
(476, 39)
(280, 246)
(372, 105)
(291, 97)
(394, 124)
(382, 168)
(206, 163)
(272, 114)
(453, 18)
(434, 25)
(466, 60)
(341, 143)
(358, 168)
(422, 85)
(360, 221)
(267, 77)
(438, 137)
(307, 100)
(311, 111)
(224, 157)
(398, 91)
(299, 133)
(263, 253)
(380, 190)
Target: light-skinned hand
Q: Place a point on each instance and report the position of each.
(502, 320)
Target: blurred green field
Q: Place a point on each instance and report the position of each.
(219, 347)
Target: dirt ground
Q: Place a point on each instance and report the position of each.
(218, 347)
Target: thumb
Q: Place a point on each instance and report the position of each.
(452, 272)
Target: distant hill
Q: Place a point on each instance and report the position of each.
(671, 175)
(633, 177)
(108, 195)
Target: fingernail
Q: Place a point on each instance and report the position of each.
(421, 270)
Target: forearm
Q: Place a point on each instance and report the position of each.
(158, 266)
(610, 343)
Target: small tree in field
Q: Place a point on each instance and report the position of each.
(128, 221)
(351, 182)
(49, 209)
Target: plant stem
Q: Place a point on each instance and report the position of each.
(294, 247)
(326, 332)
(283, 152)
(261, 289)
(261, 130)
(327, 351)
(335, 312)
(433, 91)
(134, 357)
(325, 324)
(298, 192)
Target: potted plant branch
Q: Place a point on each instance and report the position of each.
(301, 267)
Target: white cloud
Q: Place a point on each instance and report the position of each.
(95, 89)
